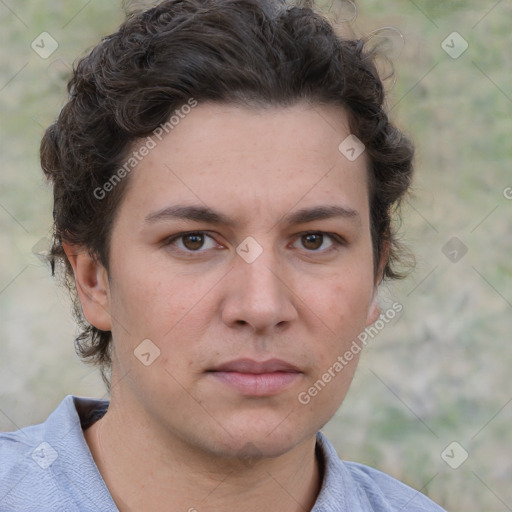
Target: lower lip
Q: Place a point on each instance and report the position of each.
(258, 384)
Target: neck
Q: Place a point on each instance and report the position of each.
(144, 468)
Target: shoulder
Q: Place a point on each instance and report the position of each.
(16, 448)
(390, 493)
(357, 487)
(24, 456)
(48, 466)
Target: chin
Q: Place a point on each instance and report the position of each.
(257, 447)
(263, 437)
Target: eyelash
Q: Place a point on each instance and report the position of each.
(336, 240)
(174, 238)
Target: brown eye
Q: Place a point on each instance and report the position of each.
(193, 241)
(317, 241)
(312, 241)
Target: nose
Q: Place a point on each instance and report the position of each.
(259, 297)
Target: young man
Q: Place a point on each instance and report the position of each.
(224, 176)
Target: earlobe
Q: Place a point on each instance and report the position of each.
(373, 309)
(91, 281)
(384, 259)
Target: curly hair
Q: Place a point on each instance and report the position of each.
(247, 52)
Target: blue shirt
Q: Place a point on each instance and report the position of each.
(49, 467)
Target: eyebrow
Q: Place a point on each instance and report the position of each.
(195, 213)
(207, 215)
(321, 213)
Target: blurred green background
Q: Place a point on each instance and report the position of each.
(441, 372)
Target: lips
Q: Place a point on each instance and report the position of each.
(256, 378)
(255, 367)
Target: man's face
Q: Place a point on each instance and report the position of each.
(242, 250)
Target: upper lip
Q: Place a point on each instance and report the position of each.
(252, 366)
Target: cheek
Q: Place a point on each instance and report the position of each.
(172, 310)
(343, 308)
(345, 301)
(153, 299)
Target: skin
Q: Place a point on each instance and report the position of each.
(174, 432)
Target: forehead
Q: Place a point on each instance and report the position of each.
(252, 162)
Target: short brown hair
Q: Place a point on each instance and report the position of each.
(250, 52)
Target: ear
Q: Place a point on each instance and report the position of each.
(374, 308)
(91, 281)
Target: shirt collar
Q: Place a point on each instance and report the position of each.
(63, 430)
